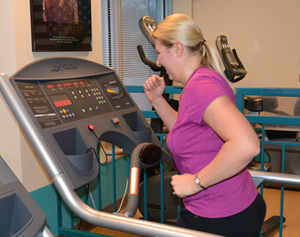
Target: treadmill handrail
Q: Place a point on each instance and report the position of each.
(117, 222)
(47, 232)
(276, 178)
(96, 217)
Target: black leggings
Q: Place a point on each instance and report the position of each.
(246, 223)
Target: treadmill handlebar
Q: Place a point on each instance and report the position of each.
(117, 222)
(276, 178)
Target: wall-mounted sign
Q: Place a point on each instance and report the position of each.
(61, 25)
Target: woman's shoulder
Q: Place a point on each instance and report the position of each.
(205, 82)
(204, 75)
(206, 72)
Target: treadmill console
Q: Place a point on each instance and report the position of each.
(63, 95)
(69, 100)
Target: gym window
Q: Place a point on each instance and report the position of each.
(121, 35)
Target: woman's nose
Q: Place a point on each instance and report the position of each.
(158, 63)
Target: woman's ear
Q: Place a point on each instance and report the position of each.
(178, 49)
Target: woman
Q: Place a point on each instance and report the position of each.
(210, 140)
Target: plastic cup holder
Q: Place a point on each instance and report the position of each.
(72, 145)
(14, 216)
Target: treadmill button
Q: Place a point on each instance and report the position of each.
(115, 121)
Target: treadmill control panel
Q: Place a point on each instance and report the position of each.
(74, 103)
(62, 101)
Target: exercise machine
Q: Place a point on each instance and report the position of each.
(235, 71)
(43, 93)
(19, 213)
(260, 177)
(65, 106)
(147, 25)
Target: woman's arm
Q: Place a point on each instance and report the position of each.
(154, 88)
(241, 144)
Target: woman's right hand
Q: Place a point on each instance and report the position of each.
(154, 87)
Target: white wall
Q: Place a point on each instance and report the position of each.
(265, 34)
(15, 53)
(185, 7)
(9, 131)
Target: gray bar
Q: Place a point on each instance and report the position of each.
(276, 178)
(116, 222)
(47, 232)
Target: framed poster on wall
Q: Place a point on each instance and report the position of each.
(61, 25)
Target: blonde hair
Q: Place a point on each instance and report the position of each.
(181, 28)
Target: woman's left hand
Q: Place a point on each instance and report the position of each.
(184, 185)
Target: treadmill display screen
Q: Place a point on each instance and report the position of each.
(61, 100)
(68, 84)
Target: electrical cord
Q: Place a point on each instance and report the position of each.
(97, 153)
(92, 199)
(121, 204)
(99, 145)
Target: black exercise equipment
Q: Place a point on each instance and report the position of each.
(235, 71)
(19, 213)
(147, 25)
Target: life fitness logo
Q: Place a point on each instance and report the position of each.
(62, 67)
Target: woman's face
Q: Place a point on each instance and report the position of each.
(165, 58)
